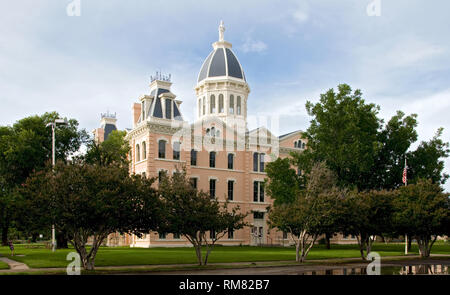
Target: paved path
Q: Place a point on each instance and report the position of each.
(14, 265)
(263, 267)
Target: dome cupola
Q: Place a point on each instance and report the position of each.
(222, 89)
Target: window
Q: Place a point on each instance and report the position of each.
(230, 233)
(193, 157)
(168, 108)
(162, 236)
(176, 236)
(212, 105)
(231, 109)
(212, 159)
(162, 149)
(238, 108)
(230, 161)
(221, 103)
(295, 144)
(255, 162)
(194, 182)
(261, 191)
(258, 191)
(176, 150)
(303, 145)
(285, 235)
(258, 215)
(144, 151)
(212, 188)
(199, 107)
(203, 105)
(230, 190)
(138, 153)
(261, 162)
(161, 174)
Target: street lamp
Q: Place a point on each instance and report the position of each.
(53, 125)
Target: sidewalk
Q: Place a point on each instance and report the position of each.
(18, 267)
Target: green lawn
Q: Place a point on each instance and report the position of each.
(41, 257)
(3, 265)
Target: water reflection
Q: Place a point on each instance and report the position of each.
(422, 269)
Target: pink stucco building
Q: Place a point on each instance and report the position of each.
(220, 154)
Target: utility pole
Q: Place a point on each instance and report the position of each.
(53, 125)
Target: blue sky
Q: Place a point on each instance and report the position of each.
(291, 52)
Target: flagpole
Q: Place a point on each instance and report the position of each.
(406, 235)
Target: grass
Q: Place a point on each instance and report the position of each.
(40, 257)
(3, 265)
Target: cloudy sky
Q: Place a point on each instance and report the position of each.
(291, 52)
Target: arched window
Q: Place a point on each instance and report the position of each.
(295, 144)
(144, 151)
(221, 103)
(230, 161)
(204, 105)
(212, 104)
(238, 108)
(162, 149)
(176, 150)
(303, 145)
(231, 109)
(193, 157)
(138, 153)
(255, 162)
(212, 159)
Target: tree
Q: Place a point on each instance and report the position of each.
(395, 140)
(113, 151)
(282, 183)
(313, 212)
(26, 147)
(365, 215)
(426, 161)
(90, 202)
(194, 214)
(422, 211)
(343, 133)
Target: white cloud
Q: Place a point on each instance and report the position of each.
(251, 45)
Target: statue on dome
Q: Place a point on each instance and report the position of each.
(221, 30)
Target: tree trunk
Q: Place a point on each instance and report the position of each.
(327, 241)
(34, 237)
(5, 230)
(61, 241)
(198, 252)
(409, 244)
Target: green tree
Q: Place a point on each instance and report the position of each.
(191, 213)
(26, 147)
(113, 151)
(365, 215)
(395, 139)
(422, 211)
(90, 202)
(282, 183)
(427, 160)
(314, 211)
(343, 133)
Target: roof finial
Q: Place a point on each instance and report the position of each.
(221, 30)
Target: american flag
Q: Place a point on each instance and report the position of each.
(404, 173)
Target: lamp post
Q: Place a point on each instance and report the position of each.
(53, 125)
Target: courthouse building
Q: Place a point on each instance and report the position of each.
(220, 155)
